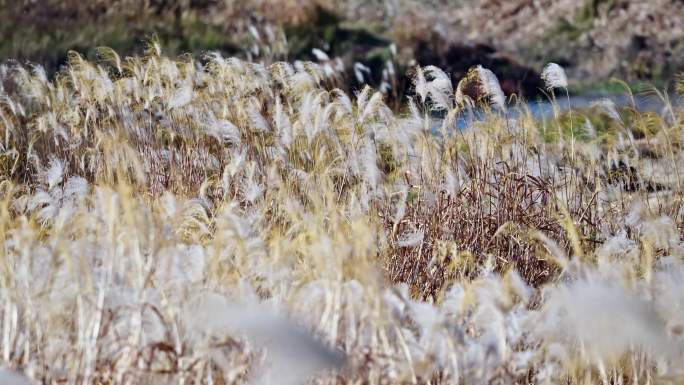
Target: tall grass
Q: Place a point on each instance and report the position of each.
(223, 222)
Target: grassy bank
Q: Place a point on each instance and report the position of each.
(594, 40)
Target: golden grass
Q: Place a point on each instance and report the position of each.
(149, 206)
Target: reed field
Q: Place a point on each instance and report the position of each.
(223, 221)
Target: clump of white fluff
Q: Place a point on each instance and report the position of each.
(554, 76)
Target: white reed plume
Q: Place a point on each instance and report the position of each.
(489, 84)
(181, 97)
(282, 124)
(359, 70)
(320, 55)
(420, 84)
(54, 174)
(258, 122)
(223, 130)
(439, 88)
(609, 108)
(554, 76)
